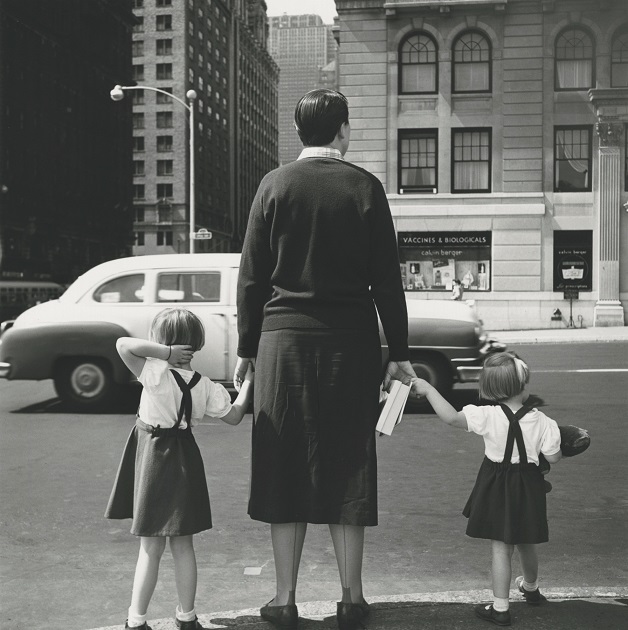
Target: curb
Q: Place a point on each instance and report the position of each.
(318, 610)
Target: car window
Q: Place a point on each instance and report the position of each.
(188, 287)
(121, 290)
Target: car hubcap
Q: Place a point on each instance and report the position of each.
(426, 372)
(87, 380)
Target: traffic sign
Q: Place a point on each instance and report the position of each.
(202, 235)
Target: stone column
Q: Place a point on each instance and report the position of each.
(608, 309)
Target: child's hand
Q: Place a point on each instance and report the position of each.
(419, 387)
(180, 355)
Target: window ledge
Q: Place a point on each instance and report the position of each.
(448, 204)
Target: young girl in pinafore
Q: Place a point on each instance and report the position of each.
(507, 504)
(161, 481)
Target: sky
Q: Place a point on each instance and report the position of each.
(325, 8)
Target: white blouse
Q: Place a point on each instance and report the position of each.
(161, 396)
(540, 433)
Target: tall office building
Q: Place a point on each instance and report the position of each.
(216, 48)
(304, 48)
(65, 147)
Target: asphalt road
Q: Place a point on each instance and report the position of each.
(64, 566)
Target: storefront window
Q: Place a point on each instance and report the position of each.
(430, 261)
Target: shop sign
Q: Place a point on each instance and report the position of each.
(573, 256)
(430, 261)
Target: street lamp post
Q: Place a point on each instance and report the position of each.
(117, 94)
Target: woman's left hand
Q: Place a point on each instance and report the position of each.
(242, 365)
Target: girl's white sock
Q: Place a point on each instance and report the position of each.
(134, 620)
(185, 616)
(501, 604)
(530, 586)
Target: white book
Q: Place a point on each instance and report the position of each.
(392, 404)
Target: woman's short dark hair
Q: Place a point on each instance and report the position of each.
(319, 115)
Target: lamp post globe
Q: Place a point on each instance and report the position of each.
(117, 94)
(191, 95)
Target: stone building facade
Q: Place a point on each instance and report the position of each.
(499, 130)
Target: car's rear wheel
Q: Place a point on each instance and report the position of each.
(435, 370)
(84, 382)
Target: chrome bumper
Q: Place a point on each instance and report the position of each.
(5, 370)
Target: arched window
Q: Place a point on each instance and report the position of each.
(619, 59)
(472, 63)
(574, 60)
(418, 65)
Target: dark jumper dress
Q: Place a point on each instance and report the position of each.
(161, 481)
(508, 500)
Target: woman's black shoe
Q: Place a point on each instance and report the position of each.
(350, 616)
(285, 617)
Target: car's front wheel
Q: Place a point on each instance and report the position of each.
(84, 382)
(436, 371)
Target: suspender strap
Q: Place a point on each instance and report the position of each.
(514, 433)
(186, 401)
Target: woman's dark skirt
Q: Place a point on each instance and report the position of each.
(508, 503)
(313, 440)
(161, 484)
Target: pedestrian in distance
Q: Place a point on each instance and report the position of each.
(456, 290)
(161, 482)
(508, 502)
(319, 262)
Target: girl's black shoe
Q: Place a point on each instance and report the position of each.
(351, 616)
(143, 627)
(189, 625)
(285, 617)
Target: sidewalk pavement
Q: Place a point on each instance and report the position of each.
(604, 608)
(566, 609)
(563, 335)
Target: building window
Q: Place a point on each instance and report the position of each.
(574, 60)
(138, 191)
(164, 144)
(137, 97)
(164, 46)
(619, 59)
(164, 22)
(472, 63)
(162, 99)
(139, 239)
(164, 3)
(138, 27)
(164, 238)
(418, 65)
(138, 167)
(418, 160)
(164, 120)
(164, 71)
(572, 159)
(138, 143)
(165, 167)
(471, 163)
(138, 4)
(138, 72)
(138, 48)
(139, 215)
(138, 120)
(164, 191)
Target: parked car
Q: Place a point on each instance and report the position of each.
(72, 339)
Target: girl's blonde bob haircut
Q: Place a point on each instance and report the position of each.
(503, 376)
(178, 326)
